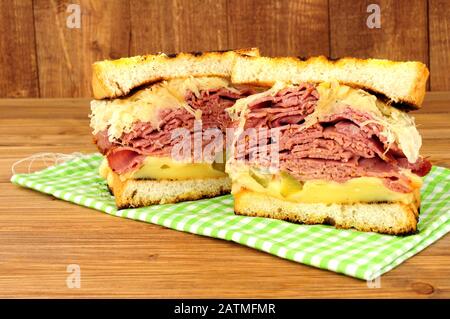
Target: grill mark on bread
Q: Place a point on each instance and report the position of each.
(306, 58)
(197, 53)
(329, 221)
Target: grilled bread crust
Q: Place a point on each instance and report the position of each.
(116, 78)
(400, 82)
(139, 193)
(392, 218)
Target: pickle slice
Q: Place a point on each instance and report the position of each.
(289, 185)
(262, 179)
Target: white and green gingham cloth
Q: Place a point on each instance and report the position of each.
(358, 254)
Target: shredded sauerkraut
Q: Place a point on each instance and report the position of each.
(119, 115)
(398, 126)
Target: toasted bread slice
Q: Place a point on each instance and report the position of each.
(401, 82)
(115, 78)
(386, 218)
(140, 193)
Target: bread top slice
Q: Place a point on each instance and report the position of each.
(115, 78)
(400, 82)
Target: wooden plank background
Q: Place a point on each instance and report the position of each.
(41, 57)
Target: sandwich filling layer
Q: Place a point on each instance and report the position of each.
(131, 132)
(329, 135)
(284, 186)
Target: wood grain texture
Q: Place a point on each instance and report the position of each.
(403, 34)
(18, 68)
(178, 26)
(41, 236)
(439, 30)
(279, 28)
(40, 56)
(65, 55)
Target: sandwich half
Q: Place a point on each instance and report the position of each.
(161, 116)
(329, 143)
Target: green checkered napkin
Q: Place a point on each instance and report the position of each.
(358, 254)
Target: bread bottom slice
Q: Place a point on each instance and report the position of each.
(386, 218)
(139, 193)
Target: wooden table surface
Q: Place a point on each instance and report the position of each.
(40, 235)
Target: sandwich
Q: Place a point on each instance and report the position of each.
(329, 142)
(312, 141)
(145, 107)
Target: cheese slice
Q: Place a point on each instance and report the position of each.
(285, 187)
(164, 168)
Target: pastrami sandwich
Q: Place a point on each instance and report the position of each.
(141, 103)
(342, 150)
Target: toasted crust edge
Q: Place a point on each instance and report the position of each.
(132, 193)
(412, 100)
(106, 86)
(249, 203)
